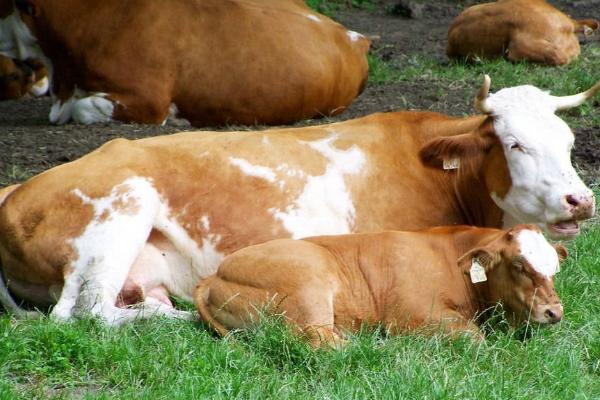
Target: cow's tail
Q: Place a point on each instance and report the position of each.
(201, 297)
(6, 299)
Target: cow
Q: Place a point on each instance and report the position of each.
(20, 78)
(444, 278)
(518, 29)
(137, 221)
(212, 62)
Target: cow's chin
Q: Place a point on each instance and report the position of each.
(563, 229)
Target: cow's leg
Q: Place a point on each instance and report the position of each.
(526, 47)
(81, 107)
(107, 249)
(455, 325)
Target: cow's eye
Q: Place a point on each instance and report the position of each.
(516, 146)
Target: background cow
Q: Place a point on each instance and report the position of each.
(441, 279)
(148, 218)
(19, 78)
(520, 29)
(209, 61)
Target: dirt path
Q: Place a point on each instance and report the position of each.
(29, 144)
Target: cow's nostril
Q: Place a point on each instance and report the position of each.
(550, 314)
(572, 200)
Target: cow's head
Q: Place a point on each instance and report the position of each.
(525, 152)
(519, 266)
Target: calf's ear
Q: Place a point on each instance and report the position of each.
(464, 146)
(487, 258)
(561, 251)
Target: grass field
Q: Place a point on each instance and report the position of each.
(163, 359)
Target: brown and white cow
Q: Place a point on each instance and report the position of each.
(446, 278)
(209, 61)
(148, 218)
(20, 78)
(518, 29)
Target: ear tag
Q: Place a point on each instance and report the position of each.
(477, 272)
(452, 163)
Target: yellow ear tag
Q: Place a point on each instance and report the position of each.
(477, 272)
(452, 163)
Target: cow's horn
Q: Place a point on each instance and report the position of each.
(566, 102)
(481, 98)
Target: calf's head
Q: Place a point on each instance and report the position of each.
(524, 153)
(519, 266)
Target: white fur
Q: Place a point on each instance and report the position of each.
(107, 249)
(354, 36)
(115, 240)
(325, 205)
(313, 17)
(541, 171)
(41, 87)
(82, 107)
(257, 171)
(538, 252)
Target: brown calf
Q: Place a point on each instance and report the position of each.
(520, 29)
(403, 280)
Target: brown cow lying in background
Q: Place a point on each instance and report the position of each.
(19, 78)
(440, 278)
(520, 29)
(212, 62)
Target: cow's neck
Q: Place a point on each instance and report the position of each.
(476, 295)
(473, 202)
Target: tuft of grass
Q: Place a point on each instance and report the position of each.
(329, 7)
(579, 75)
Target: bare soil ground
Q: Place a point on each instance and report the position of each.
(29, 144)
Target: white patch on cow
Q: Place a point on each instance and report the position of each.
(325, 204)
(257, 171)
(203, 258)
(313, 17)
(107, 248)
(354, 36)
(82, 107)
(173, 117)
(41, 87)
(205, 222)
(17, 41)
(538, 252)
(537, 145)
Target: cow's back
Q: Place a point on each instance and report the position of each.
(219, 62)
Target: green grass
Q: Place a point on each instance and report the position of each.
(329, 7)
(181, 360)
(577, 76)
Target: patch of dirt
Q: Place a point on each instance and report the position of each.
(29, 144)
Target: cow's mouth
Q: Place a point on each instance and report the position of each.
(564, 229)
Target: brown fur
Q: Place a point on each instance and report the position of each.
(402, 280)
(518, 29)
(220, 62)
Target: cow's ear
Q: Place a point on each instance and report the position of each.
(561, 251)
(586, 26)
(464, 146)
(28, 7)
(483, 256)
